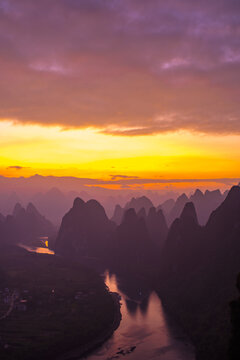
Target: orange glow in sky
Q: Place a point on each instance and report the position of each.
(99, 89)
(50, 150)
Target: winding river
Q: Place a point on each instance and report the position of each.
(145, 332)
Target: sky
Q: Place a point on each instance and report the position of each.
(114, 89)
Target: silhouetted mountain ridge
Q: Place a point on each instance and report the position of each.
(133, 250)
(85, 230)
(138, 204)
(157, 226)
(25, 226)
(198, 270)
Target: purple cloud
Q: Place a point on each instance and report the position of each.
(128, 67)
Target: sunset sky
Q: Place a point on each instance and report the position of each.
(113, 89)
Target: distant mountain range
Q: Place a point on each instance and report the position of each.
(46, 191)
(204, 203)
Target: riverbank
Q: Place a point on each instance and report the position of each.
(60, 306)
(175, 323)
(145, 331)
(209, 337)
(99, 340)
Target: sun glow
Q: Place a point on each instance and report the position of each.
(30, 149)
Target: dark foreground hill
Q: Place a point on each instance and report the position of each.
(199, 266)
(49, 306)
(132, 249)
(234, 348)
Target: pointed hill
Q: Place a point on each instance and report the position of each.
(85, 230)
(157, 226)
(142, 213)
(118, 214)
(189, 214)
(133, 249)
(226, 216)
(139, 203)
(183, 240)
(206, 203)
(177, 208)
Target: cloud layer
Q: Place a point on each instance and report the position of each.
(127, 67)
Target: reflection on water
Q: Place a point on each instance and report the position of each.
(39, 250)
(144, 332)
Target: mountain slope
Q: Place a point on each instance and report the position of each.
(198, 271)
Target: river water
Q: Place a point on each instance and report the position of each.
(145, 331)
